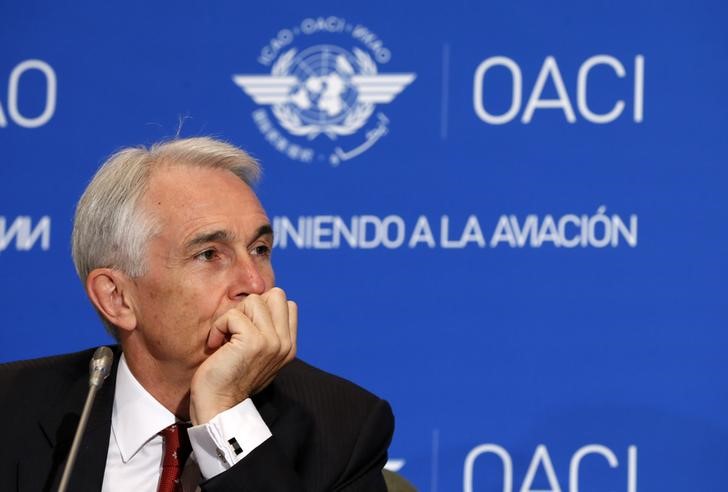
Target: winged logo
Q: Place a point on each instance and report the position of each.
(372, 89)
(323, 90)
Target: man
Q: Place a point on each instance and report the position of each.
(173, 248)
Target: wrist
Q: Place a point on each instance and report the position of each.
(205, 407)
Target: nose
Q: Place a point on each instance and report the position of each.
(247, 278)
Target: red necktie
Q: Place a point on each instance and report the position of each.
(176, 451)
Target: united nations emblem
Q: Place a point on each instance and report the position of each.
(323, 93)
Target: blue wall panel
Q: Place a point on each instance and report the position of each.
(570, 299)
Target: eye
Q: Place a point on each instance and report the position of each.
(207, 255)
(261, 250)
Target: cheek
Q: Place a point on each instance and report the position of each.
(175, 315)
(170, 310)
(268, 276)
(179, 326)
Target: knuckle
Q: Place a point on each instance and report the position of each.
(286, 346)
(235, 318)
(274, 347)
(251, 299)
(276, 294)
(233, 313)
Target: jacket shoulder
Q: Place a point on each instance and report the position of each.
(351, 428)
(30, 382)
(335, 404)
(306, 382)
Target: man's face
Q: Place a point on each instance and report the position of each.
(213, 249)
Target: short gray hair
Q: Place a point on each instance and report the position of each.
(110, 229)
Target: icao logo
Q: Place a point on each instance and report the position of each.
(321, 95)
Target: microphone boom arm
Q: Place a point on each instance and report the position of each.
(99, 369)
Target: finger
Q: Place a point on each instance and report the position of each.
(232, 322)
(277, 305)
(255, 308)
(218, 332)
(292, 327)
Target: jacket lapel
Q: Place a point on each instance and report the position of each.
(59, 426)
(287, 421)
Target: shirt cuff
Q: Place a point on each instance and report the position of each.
(229, 437)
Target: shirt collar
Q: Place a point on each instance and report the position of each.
(137, 416)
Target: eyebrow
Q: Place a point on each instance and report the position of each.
(224, 236)
(264, 230)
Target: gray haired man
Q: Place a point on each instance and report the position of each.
(174, 250)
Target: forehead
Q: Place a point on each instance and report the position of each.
(189, 198)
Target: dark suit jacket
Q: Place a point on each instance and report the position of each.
(328, 434)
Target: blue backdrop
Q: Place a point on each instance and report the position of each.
(505, 218)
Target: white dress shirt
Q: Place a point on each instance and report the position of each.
(134, 458)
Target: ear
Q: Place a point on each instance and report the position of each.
(109, 290)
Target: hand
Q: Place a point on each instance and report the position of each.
(252, 342)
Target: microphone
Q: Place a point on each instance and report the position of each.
(99, 369)
(100, 366)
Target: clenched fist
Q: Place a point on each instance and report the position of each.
(252, 341)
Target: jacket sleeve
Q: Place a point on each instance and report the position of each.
(268, 469)
(364, 470)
